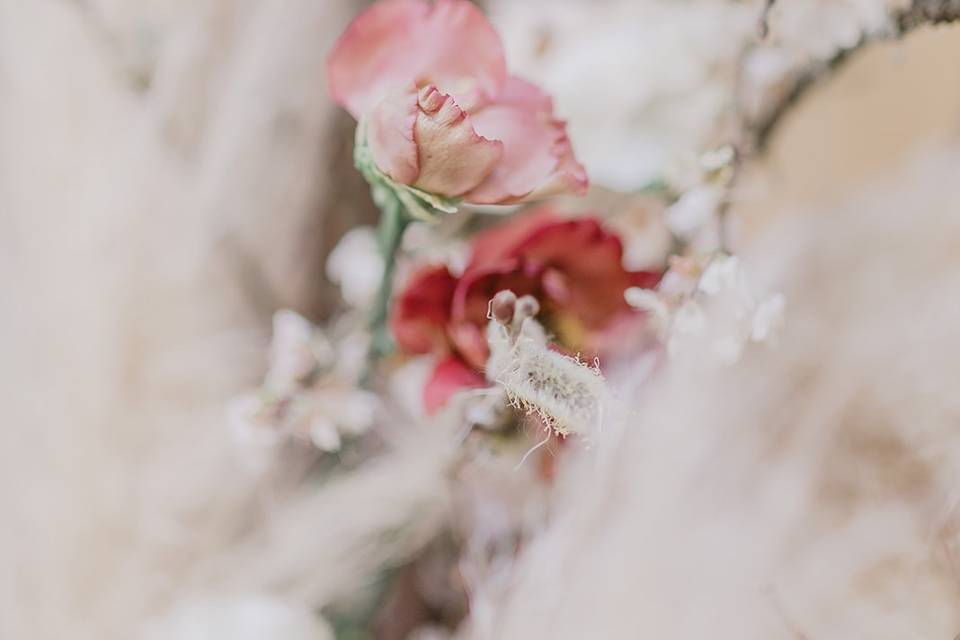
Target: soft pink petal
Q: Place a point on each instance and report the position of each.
(450, 44)
(453, 159)
(390, 136)
(525, 95)
(449, 376)
(569, 176)
(538, 159)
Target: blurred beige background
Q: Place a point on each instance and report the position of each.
(171, 173)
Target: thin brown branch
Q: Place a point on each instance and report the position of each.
(928, 12)
(756, 133)
(765, 18)
(920, 13)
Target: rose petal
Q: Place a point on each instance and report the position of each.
(471, 302)
(450, 44)
(449, 376)
(421, 310)
(593, 273)
(538, 159)
(499, 242)
(523, 94)
(644, 279)
(588, 257)
(453, 159)
(390, 135)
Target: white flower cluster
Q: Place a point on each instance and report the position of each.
(709, 308)
(638, 81)
(309, 393)
(703, 182)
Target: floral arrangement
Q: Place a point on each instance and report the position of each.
(491, 303)
(509, 324)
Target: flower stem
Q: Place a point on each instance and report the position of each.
(393, 222)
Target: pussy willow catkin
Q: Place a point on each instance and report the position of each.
(566, 393)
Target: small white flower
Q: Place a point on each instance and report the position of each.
(324, 435)
(709, 310)
(718, 159)
(724, 274)
(353, 410)
(651, 302)
(694, 211)
(768, 318)
(355, 265)
(689, 320)
(244, 422)
(296, 350)
(310, 392)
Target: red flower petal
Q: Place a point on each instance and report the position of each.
(493, 245)
(471, 303)
(449, 376)
(421, 311)
(590, 260)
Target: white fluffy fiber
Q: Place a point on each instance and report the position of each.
(131, 219)
(808, 492)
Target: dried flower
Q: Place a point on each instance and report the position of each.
(441, 113)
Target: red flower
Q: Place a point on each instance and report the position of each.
(572, 266)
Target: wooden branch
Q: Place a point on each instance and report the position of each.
(928, 12)
(920, 13)
(755, 134)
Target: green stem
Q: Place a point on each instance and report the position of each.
(393, 222)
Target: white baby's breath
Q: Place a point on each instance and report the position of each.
(768, 318)
(648, 300)
(355, 265)
(324, 435)
(310, 392)
(709, 309)
(694, 211)
(295, 351)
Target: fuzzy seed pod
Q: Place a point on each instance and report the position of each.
(566, 393)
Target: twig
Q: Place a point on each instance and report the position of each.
(765, 18)
(928, 12)
(920, 12)
(755, 134)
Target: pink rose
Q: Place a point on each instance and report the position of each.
(441, 112)
(574, 267)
